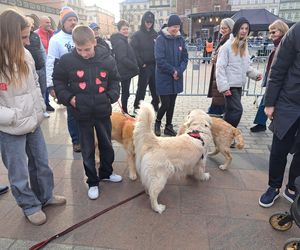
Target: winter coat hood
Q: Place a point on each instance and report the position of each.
(116, 37)
(167, 34)
(147, 16)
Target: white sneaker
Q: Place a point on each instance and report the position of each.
(46, 115)
(93, 193)
(114, 178)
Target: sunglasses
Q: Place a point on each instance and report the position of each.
(272, 32)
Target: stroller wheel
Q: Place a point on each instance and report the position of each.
(276, 218)
(292, 244)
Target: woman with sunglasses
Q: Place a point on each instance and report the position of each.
(277, 30)
(22, 144)
(233, 68)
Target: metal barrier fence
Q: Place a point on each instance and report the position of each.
(197, 76)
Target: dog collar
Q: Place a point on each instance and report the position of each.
(196, 134)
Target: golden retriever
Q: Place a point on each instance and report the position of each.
(122, 131)
(158, 158)
(223, 135)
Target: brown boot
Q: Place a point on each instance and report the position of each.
(57, 200)
(38, 218)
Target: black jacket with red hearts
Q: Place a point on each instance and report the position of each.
(94, 82)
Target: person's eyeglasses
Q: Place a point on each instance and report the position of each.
(272, 32)
(149, 22)
(24, 37)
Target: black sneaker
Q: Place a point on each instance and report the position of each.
(268, 198)
(290, 197)
(258, 128)
(157, 128)
(50, 108)
(169, 130)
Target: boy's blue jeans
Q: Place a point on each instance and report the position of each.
(30, 177)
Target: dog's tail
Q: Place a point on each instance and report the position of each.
(239, 137)
(143, 130)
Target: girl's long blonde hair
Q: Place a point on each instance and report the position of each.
(239, 45)
(12, 54)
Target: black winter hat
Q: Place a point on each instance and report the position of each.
(238, 24)
(174, 20)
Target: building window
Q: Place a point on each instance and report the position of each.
(217, 7)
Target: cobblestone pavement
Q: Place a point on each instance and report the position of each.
(222, 213)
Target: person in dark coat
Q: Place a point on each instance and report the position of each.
(100, 41)
(217, 106)
(126, 60)
(171, 61)
(142, 43)
(277, 30)
(282, 106)
(87, 81)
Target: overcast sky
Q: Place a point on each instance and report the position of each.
(110, 5)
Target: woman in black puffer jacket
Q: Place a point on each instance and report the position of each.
(125, 58)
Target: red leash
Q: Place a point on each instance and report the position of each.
(45, 242)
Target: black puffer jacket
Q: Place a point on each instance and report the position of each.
(36, 50)
(143, 41)
(94, 82)
(125, 56)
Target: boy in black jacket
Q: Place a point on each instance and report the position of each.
(87, 79)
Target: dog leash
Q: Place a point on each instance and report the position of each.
(69, 229)
(128, 116)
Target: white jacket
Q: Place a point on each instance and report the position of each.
(22, 106)
(232, 70)
(59, 44)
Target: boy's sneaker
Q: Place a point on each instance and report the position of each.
(268, 198)
(113, 178)
(93, 193)
(46, 115)
(289, 196)
(38, 218)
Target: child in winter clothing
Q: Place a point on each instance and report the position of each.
(171, 61)
(87, 81)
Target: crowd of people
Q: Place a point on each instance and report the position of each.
(83, 71)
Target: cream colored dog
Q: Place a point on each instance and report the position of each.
(158, 158)
(223, 134)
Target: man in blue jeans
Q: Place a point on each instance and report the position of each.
(3, 189)
(60, 44)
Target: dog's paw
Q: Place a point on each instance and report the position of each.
(205, 177)
(160, 208)
(222, 167)
(132, 177)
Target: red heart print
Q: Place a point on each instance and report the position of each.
(80, 73)
(103, 74)
(101, 89)
(98, 81)
(82, 85)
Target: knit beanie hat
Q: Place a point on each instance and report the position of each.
(174, 20)
(238, 24)
(227, 22)
(65, 13)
